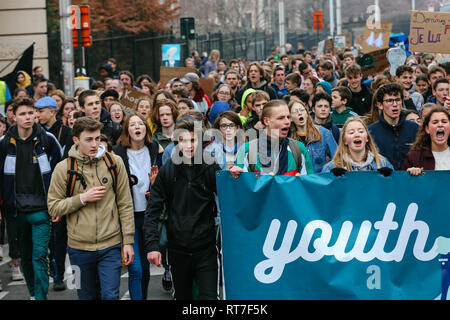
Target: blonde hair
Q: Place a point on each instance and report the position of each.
(214, 56)
(342, 157)
(312, 132)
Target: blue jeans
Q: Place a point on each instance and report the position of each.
(139, 269)
(102, 265)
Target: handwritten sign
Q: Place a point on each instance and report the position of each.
(130, 98)
(339, 42)
(377, 39)
(429, 32)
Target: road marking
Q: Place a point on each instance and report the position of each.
(125, 275)
(3, 294)
(126, 296)
(156, 271)
(17, 283)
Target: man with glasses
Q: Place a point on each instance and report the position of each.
(393, 135)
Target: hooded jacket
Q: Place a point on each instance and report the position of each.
(64, 136)
(27, 81)
(361, 102)
(46, 154)
(244, 106)
(340, 118)
(96, 225)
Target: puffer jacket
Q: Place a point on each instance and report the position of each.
(97, 225)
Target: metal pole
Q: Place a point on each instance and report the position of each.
(281, 24)
(413, 4)
(338, 17)
(331, 18)
(66, 46)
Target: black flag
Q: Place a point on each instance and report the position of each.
(25, 63)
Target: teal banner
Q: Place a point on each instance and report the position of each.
(360, 236)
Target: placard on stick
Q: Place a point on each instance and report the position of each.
(429, 32)
(373, 62)
(207, 84)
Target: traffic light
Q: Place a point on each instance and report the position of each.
(81, 22)
(317, 20)
(187, 28)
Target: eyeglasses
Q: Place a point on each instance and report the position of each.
(391, 101)
(295, 111)
(116, 110)
(224, 93)
(135, 124)
(225, 126)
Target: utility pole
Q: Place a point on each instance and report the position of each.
(413, 4)
(338, 17)
(66, 46)
(281, 24)
(331, 18)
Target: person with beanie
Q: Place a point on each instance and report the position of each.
(216, 109)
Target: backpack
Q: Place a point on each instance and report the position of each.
(73, 175)
(293, 145)
(43, 138)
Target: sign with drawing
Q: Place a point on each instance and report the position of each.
(377, 39)
(429, 32)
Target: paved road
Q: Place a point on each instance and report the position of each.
(17, 290)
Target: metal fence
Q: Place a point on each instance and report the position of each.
(141, 54)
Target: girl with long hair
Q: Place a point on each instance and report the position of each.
(431, 149)
(63, 113)
(318, 140)
(141, 157)
(229, 125)
(356, 150)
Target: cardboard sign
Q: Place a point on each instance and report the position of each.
(130, 98)
(207, 84)
(429, 32)
(377, 39)
(168, 73)
(321, 48)
(374, 62)
(348, 39)
(329, 45)
(339, 42)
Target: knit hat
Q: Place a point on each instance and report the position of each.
(326, 86)
(110, 93)
(216, 109)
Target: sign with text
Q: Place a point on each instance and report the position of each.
(309, 237)
(131, 96)
(377, 39)
(429, 32)
(339, 42)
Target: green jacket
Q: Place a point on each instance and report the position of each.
(339, 118)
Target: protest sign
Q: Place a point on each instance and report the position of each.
(131, 96)
(360, 236)
(376, 39)
(329, 45)
(207, 84)
(429, 32)
(396, 57)
(168, 73)
(339, 42)
(373, 62)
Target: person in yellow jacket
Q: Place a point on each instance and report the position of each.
(99, 216)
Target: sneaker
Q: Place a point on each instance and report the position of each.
(167, 281)
(1, 253)
(59, 285)
(16, 274)
(32, 298)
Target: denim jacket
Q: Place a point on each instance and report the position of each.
(322, 151)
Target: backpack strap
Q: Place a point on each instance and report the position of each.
(112, 167)
(296, 152)
(72, 170)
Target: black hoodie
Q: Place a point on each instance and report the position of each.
(29, 183)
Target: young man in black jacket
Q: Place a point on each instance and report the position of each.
(46, 111)
(186, 187)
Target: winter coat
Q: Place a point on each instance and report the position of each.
(419, 159)
(96, 225)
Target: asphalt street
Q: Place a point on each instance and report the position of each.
(17, 290)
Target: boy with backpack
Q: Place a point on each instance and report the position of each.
(273, 152)
(91, 189)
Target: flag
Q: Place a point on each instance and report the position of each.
(25, 63)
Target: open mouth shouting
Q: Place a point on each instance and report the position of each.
(441, 135)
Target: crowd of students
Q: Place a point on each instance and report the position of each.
(132, 186)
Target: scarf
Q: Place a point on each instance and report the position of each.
(267, 153)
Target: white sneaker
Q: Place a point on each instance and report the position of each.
(16, 274)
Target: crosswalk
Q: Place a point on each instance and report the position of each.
(17, 290)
